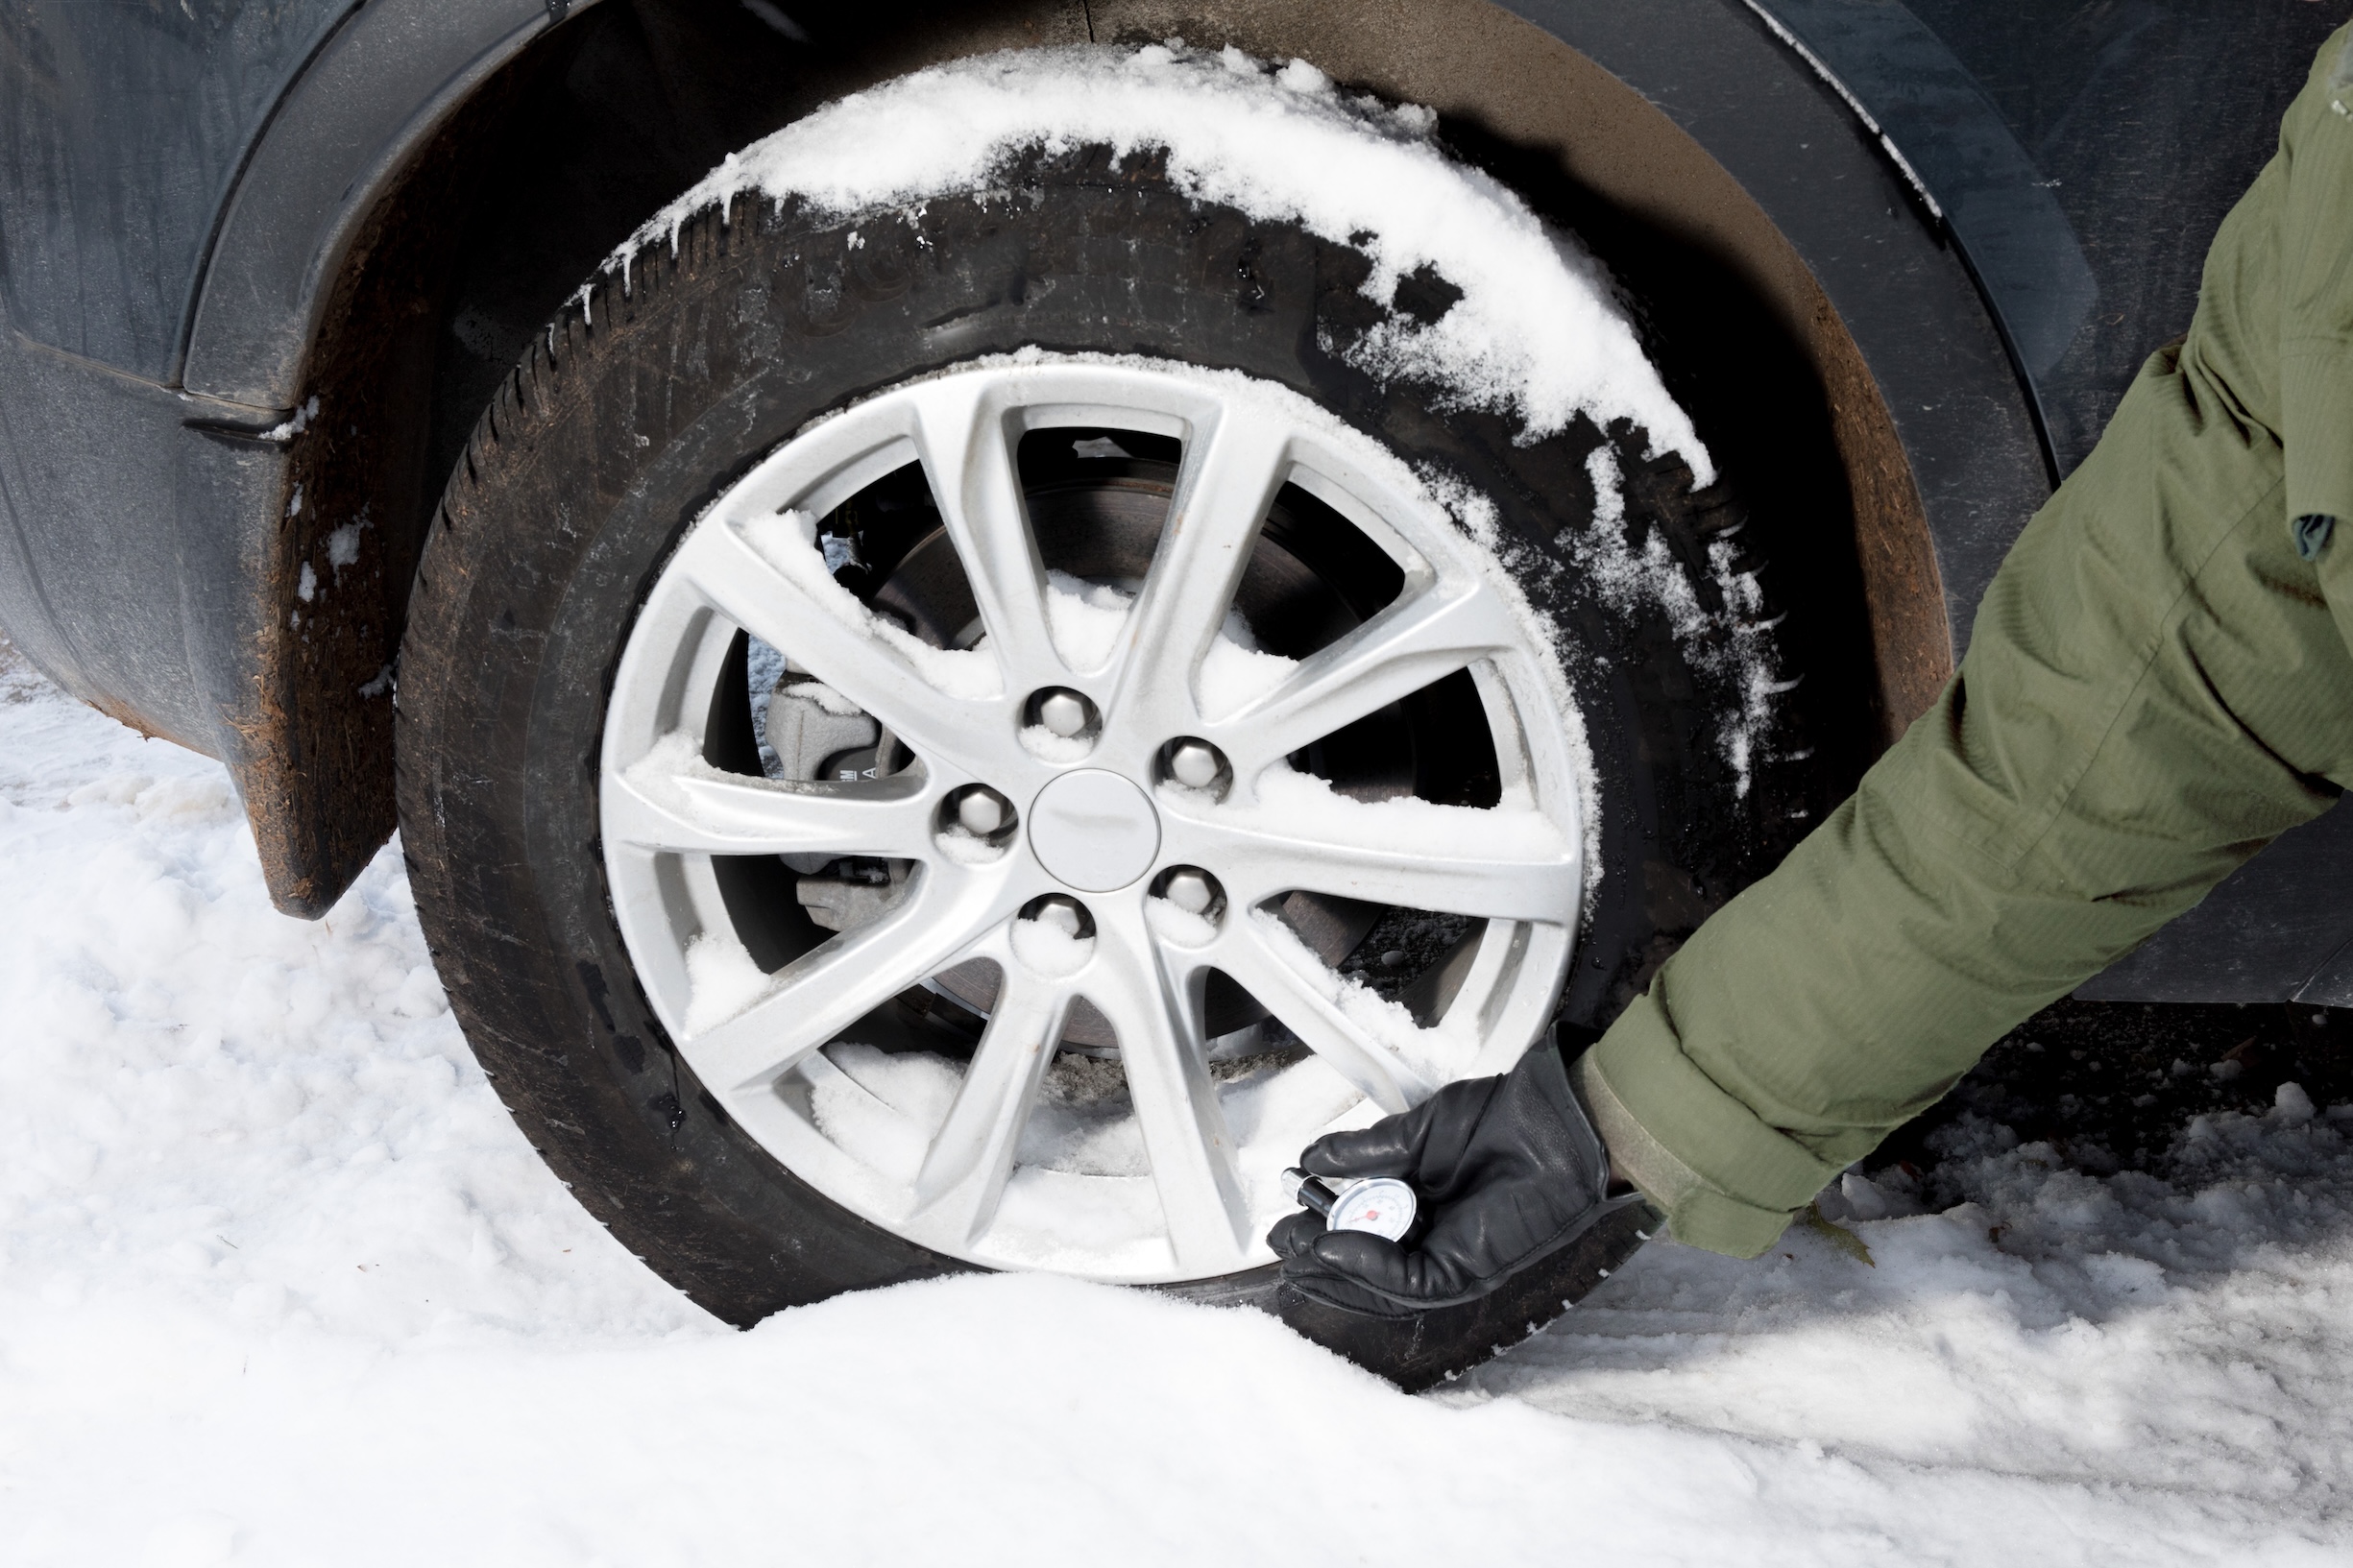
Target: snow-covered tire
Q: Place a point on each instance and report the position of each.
(643, 404)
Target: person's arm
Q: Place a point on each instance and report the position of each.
(2155, 687)
(2154, 690)
(2316, 320)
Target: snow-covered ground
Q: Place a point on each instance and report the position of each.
(279, 1283)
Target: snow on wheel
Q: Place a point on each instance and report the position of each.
(983, 690)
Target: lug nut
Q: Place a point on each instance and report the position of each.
(1063, 713)
(1063, 914)
(983, 812)
(1191, 889)
(1195, 764)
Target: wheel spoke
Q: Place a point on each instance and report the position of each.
(1499, 864)
(819, 995)
(971, 1157)
(967, 454)
(829, 633)
(700, 811)
(1399, 651)
(1228, 480)
(1156, 1013)
(1308, 1004)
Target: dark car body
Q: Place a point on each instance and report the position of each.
(262, 261)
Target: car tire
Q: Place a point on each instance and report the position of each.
(644, 402)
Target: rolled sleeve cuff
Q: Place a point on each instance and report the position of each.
(1725, 1180)
(2317, 428)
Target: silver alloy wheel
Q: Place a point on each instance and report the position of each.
(1114, 882)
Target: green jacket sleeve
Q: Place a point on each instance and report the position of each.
(2316, 284)
(2155, 687)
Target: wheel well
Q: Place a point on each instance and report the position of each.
(535, 179)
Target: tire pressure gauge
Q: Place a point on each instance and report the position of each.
(1379, 1205)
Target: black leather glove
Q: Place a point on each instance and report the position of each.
(1517, 1223)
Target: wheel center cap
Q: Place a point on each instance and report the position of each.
(1094, 829)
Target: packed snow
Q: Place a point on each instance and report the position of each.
(1050, 949)
(1537, 333)
(1627, 576)
(1438, 1056)
(1292, 802)
(722, 978)
(787, 540)
(1628, 573)
(1087, 619)
(280, 1284)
